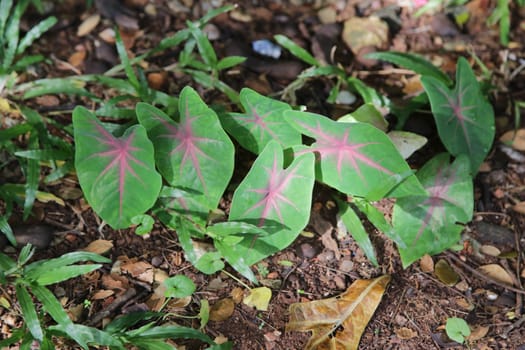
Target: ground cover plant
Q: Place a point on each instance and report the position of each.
(147, 158)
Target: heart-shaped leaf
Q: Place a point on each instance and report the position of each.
(339, 322)
(275, 199)
(354, 158)
(117, 175)
(195, 154)
(464, 117)
(429, 225)
(262, 121)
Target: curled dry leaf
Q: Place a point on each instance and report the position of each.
(222, 310)
(99, 246)
(88, 25)
(338, 322)
(497, 273)
(426, 263)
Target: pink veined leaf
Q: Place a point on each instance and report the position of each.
(464, 117)
(117, 175)
(355, 158)
(261, 122)
(429, 224)
(194, 155)
(275, 199)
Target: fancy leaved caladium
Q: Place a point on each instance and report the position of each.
(355, 158)
(275, 199)
(261, 122)
(195, 154)
(464, 117)
(117, 175)
(431, 224)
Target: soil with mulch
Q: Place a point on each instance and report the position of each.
(325, 262)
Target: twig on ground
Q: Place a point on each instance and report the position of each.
(482, 276)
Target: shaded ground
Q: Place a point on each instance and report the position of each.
(417, 304)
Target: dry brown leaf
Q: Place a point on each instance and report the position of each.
(102, 294)
(426, 263)
(88, 25)
(99, 246)
(477, 333)
(497, 273)
(405, 333)
(488, 249)
(338, 322)
(359, 33)
(516, 141)
(222, 309)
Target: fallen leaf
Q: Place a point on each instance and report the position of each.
(359, 33)
(516, 141)
(488, 249)
(237, 295)
(259, 298)
(99, 246)
(88, 25)
(102, 294)
(338, 322)
(497, 273)
(478, 333)
(405, 333)
(426, 263)
(445, 273)
(222, 310)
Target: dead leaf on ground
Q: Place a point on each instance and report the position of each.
(477, 333)
(516, 141)
(519, 207)
(426, 263)
(222, 310)
(405, 333)
(259, 298)
(99, 246)
(338, 322)
(359, 33)
(497, 273)
(88, 25)
(445, 273)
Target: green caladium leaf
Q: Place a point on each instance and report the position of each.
(355, 158)
(431, 224)
(275, 199)
(117, 175)
(464, 117)
(194, 154)
(261, 122)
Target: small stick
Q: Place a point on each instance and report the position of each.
(482, 276)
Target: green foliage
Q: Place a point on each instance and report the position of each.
(464, 117)
(457, 329)
(33, 277)
(12, 44)
(431, 224)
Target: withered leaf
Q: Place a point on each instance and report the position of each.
(338, 322)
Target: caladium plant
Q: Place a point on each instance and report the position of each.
(464, 117)
(431, 224)
(117, 175)
(355, 158)
(273, 198)
(261, 123)
(193, 154)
